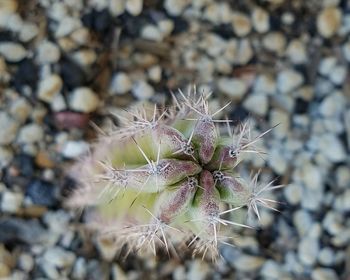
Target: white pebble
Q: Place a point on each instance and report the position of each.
(277, 161)
(234, 88)
(166, 26)
(84, 57)
(49, 87)
(155, 73)
(28, 32)
(293, 193)
(332, 105)
(328, 21)
(257, 103)
(346, 51)
(30, 133)
(326, 65)
(265, 84)
(83, 99)
(322, 273)
(59, 257)
(20, 109)
(338, 75)
(261, 20)
(331, 146)
(175, 7)
(12, 52)
(48, 52)
(6, 156)
(311, 176)
(151, 32)
(120, 84)
(289, 80)
(66, 26)
(275, 42)
(11, 201)
(58, 103)
(244, 52)
(74, 149)
(134, 7)
(296, 51)
(241, 24)
(116, 7)
(9, 129)
(308, 250)
(142, 90)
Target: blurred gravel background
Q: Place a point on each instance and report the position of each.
(64, 63)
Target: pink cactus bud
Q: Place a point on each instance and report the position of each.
(205, 138)
(175, 201)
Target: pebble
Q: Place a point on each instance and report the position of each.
(59, 257)
(166, 26)
(48, 52)
(234, 88)
(9, 128)
(289, 80)
(69, 120)
(79, 269)
(241, 24)
(321, 273)
(277, 161)
(11, 202)
(58, 103)
(326, 256)
(198, 270)
(333, 222)
(175, 7)
(338, 75)
(265, 84)
(342, 176)
(30, 133)
(41, 193)
(342, 202)
(257, 103)
(134, 7)
(311, 176)
(155, 73)
(6, 156)
(83, 99)
(28, 32)
(332, 148)
(296, 52)
(49, 87)
(20, 109)
(26, 262)
(66, 26)
(326, 65)
(245, 52)
(332, 105)
(275, 42)
(116, 7)
(84, 57)
(346, 51)
(329, 21)
(271, 270)
(260, 20)
(12, 52)
(142, 90)
(303, 221)
(308, 250)
(152, 33)
(73, 149)
(293, 193)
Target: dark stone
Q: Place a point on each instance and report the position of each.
(24, 164)
(68, 186)
(26, 75)
(239, 114)
(224, 30)
(72, 75)
(6, 36)
(301, 106)
(42, 193)
(131, 26)
(18, 230)
(180, 25)
(98, 21)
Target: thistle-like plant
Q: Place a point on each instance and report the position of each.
(170, 176)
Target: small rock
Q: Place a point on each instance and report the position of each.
(311, 176)
(74, 149)
(26, 262)
(277, 161)
(326, 65)
(120, 84)
(79, 269)
(261, 20)
(333, 149)
(198, 270)
(333, 105)
(324, 274)
(118, 273)
(83, 99)
(66, 26)
(257, 103)
(175, 7)
(338, 75)
(67, 119)
(58, 103)
(11, 202)
(5, 271)
(57, 221)
(151, 32)
(41, 193)
(12, 52)
(28, 231)
(48, 52)
(271, 270)
(30, 133)
(6, 156)
(308, 250)
(49, 87)
(265, 84)
(28, 32)
(326, 256)
(342, 176)
(59, 257)
(9, 129)
(134, 7)
(245, 52)
(116, 7)
(296, 51)
(342, 202)
(155, 73)
(234, 88)
(166, 26)
(142, 90)
(43, 160)
(328, 21)
(275, 42)
(280, 118)
(20, 109)
(84, 57)
(303, 222)
(293, 193)
(241, 24)
(346, 51)
(289, 80)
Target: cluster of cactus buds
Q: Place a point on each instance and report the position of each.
(165, 176)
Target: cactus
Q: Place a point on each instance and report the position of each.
(170, 176)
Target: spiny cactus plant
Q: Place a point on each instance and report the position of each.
(170, 176)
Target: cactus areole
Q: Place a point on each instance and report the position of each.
(166, 176)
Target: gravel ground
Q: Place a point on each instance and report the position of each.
(65, 63)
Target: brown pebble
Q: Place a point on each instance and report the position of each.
(68, 119)
(43, 160)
